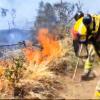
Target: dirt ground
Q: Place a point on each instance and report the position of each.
(77, 89)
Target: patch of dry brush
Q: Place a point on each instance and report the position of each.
(38, 81)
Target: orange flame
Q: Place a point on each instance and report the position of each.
(49, 44)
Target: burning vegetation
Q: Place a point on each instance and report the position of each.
(36, 72)
(50, 48)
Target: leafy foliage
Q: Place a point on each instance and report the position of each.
(58, 16)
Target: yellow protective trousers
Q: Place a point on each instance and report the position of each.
(88, 66)
(97, 92)
(89, 61)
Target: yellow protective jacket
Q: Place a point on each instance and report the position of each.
(82, 30)
(94, 31)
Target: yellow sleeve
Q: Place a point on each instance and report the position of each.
(80, 27)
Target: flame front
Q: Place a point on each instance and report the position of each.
(50, 47)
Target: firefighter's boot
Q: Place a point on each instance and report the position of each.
(86, 74)
(87, 70)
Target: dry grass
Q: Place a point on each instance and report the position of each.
(41, 81)
(37, 82)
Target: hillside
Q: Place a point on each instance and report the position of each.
(45, 73)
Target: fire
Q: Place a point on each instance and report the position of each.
(49, 44)
(31, 54)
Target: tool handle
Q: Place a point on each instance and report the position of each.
(77, 62)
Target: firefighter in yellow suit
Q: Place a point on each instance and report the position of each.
(86, 31)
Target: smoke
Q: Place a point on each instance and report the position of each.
(14, 36)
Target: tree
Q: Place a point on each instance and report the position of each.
(4, 12)
(50, 14)
(79, 6)
(13, 15)
(40, 16)
(46, 16)
(59, 15)
(65, 12)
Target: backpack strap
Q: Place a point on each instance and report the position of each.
(89, 31)
(97, 43)
(94, 24)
